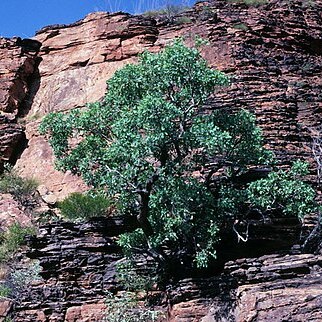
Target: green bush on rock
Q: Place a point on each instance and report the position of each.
(4, 291)
(153, 148)
(80, 206)
(12, 239)
(20, 188)
(126, 307)
(285, 191)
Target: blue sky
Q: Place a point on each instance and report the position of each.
(24, 17)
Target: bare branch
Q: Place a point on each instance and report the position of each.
(316, 135)
(239, 236)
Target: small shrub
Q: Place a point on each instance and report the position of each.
(172, 9)
(135, 303)
(46, 216)
(208, 12)
(154, 13)
(20, 279)
(255, 3)
(7, 320)
(79, 206)
(169, 11)
(132, 280)
(4, 291)
(183, 20)
(309, 3)
(127, 308)
(13, 239)
(20, 188)
(240, 26)
(250, 3)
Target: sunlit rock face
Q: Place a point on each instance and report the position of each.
(273, 56)
(271, 52)
(76, 62)
(17, 70)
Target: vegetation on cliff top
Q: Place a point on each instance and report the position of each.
(153, 147)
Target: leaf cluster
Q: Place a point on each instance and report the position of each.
(22, 189)
(127, 308)
(4, 291)
(78, 206)
(12, 239)
(20, 278)
(284, 191)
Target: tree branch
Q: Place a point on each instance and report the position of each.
(142, 217)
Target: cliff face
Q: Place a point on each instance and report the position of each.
(79, 265)
(76, 62)
(272, 52)
(274, 57)
(17, 72)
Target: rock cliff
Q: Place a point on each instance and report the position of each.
(273, 54)
(79, 266)
(17, 71)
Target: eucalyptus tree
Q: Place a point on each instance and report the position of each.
(153, 147)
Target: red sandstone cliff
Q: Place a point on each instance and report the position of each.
(274, 56)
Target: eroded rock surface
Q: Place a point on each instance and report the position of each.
(269, 288)
(11, 212)
(5, 307)
(17, 71)
(18, 75)
(273, 55)
(76, 62)
(79, 266)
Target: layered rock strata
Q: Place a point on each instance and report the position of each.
(18, 83)
(271, 52)
(273, 55)
(79, 266)
(268, 288)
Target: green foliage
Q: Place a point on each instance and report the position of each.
(12, 240)
(282, 193)
(132, 280)
(169, 10)
(207, 13)
(133, 304)
(284, 190)
(309, 3)
(44, 217)
(250, 3)
(148, 146)
(20, 279)
(80, 206)
(22, 189)
(7, 319)
(240, 26)
(200, 42)
(183, 20)
(4, 291)
(127, 308)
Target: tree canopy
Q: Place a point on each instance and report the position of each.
(163, 157)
